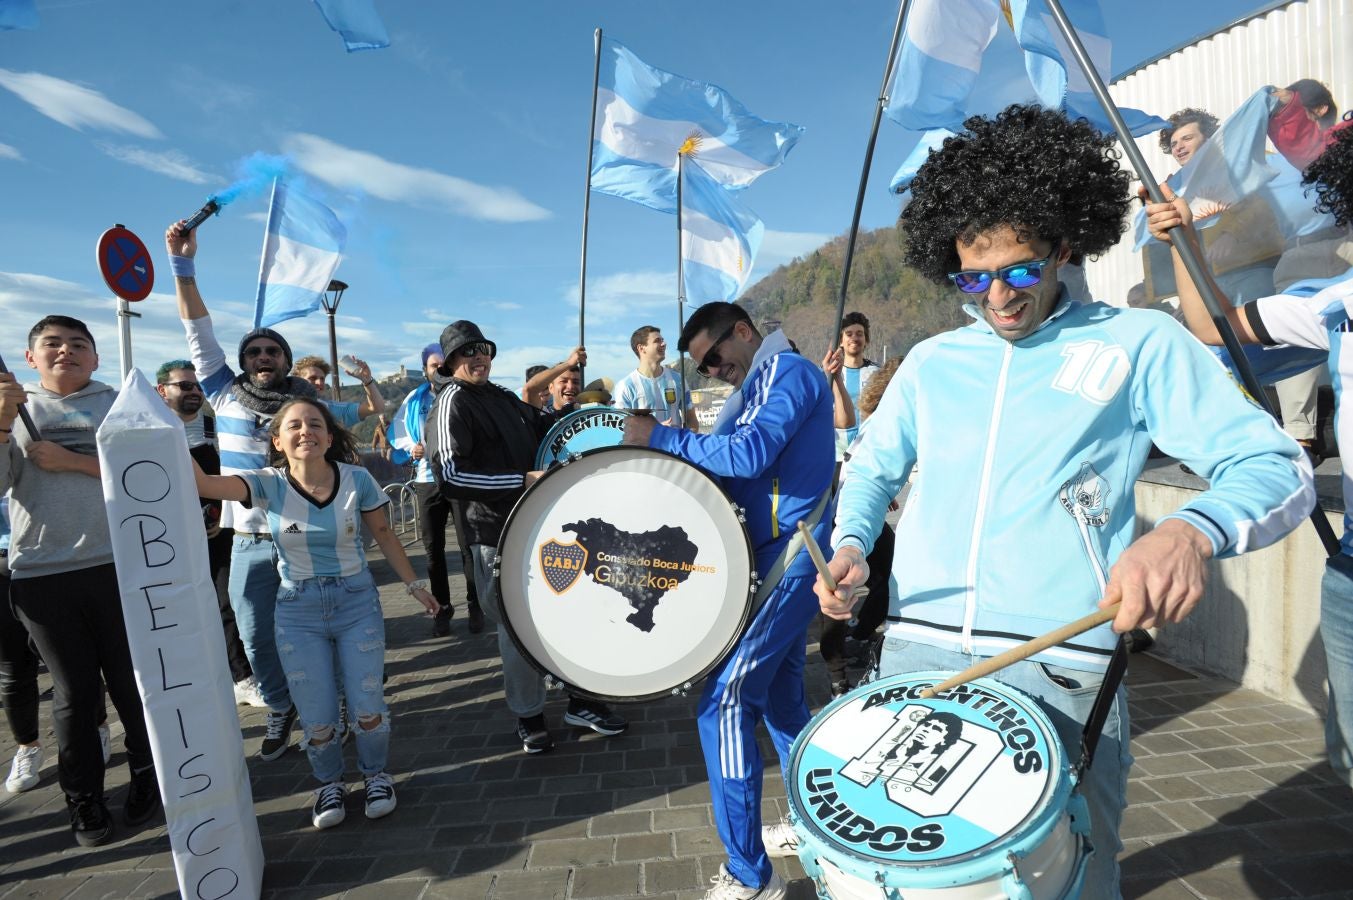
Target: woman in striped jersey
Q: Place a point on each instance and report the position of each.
(328, 609)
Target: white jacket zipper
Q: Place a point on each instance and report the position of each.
(974, 543)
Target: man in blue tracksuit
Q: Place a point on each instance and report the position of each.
(772, 450)
(1031, 426)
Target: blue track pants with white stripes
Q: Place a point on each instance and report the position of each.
(763, 678)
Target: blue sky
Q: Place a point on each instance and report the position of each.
(457, 155)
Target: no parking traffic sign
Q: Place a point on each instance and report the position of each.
(125, 264)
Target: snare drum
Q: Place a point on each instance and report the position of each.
(625, 573)
(959, 797)
(582, 430)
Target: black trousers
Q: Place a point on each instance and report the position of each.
(466, 557)
(871, 614)
(433, 512)
(218, 554)
(75, 619)
(18, 669)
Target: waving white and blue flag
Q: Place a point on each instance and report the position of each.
(1056, 77)
(357, 22)
(647, 116)
(719, 237)
(944, 44)
(302, 248)
(938, 62)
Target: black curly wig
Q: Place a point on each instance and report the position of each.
(1332, 177)
(1030, 168)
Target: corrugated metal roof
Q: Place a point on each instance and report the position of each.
(1263, 10)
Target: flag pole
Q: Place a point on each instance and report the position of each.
(864, 172)
(681, 290)
(1187, 252)
(587, 195)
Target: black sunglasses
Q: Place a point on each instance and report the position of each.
(1019, 276)
(185, 385)
(483, 348)
(257, 350)
(712, 358)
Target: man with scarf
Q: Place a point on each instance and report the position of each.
(772, 448)
(407, 437)
(244, 406)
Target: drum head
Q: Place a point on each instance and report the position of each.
(935, 792)
(580, 431)
(625, 573)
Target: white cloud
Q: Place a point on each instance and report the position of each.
(504, 305)
(624, 295)
(171, 163)
(75, 106)
(257, 217)
(8, 152)
(781, 247)
(398, 183)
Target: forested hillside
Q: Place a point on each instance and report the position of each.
(903, 308)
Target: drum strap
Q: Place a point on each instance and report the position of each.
(792, 549)
(1099, 714)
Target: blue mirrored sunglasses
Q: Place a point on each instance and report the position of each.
(1019, 276)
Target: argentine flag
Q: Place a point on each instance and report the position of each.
(647, 116)
(302, 248)
(357, 22)
(1056, 76)
(943, 46)
(719, 237)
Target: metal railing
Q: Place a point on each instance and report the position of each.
(404, 511)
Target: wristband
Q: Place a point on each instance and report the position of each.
(419, 585)
(182, 266)
(6, 430)
(368, 382)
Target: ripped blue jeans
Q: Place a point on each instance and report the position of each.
(327, 622)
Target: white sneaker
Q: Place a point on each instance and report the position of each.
(106, 742)
(247, 693)
(23, 772)
(780, 840)
(380, 796)
(328, 810)
(726, 887)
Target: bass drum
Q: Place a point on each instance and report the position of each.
(579, 431)
(626, 574)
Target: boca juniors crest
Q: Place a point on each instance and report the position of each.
(561, 564)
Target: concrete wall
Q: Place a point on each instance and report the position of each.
(1258, 623)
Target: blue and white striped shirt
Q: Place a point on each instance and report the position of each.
(241, 432)
(316, 539)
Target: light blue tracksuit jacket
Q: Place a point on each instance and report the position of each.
(1029, 452)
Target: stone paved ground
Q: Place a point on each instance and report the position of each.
(1229, 800)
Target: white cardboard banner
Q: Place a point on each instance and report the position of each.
(178, 647)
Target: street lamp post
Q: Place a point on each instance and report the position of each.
(330, 298)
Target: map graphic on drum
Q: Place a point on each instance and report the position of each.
(582, 430)
(966, 795)
(625, 573)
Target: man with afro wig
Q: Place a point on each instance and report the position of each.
(1032, 425)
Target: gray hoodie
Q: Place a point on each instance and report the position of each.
(57, 518)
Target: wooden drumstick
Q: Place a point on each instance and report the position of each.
(820, 562)
(1025, 650)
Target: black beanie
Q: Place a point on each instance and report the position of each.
(270, 335)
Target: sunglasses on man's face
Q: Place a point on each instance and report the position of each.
(256, 350)
(712, 359)
(471, 350)
(1019, 276)
(185, 386)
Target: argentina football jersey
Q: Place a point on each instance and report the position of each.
(316, 538)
